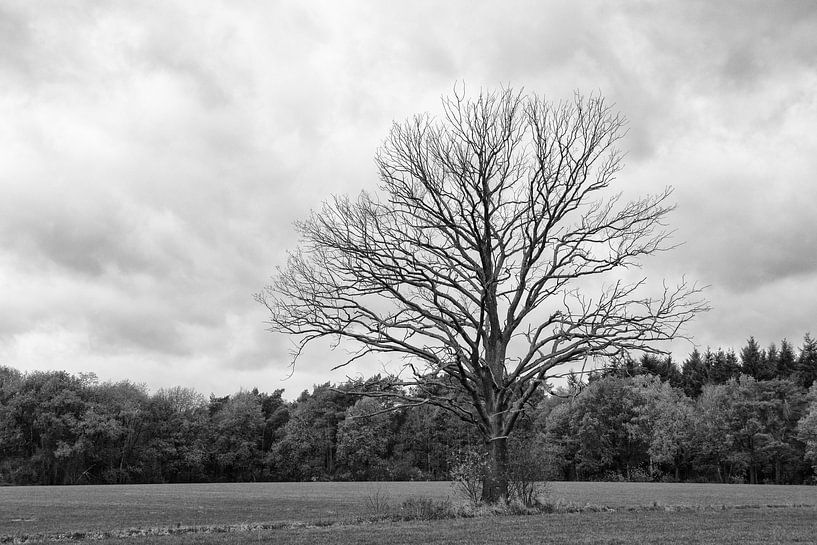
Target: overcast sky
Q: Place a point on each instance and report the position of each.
(153, 156)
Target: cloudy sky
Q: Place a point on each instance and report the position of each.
(153, 156)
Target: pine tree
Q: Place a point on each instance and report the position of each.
(786, 360)
(664, 368)
(750, 358)
(806, 372)
(695, 373)
(757, 363)
(723, 366)
(769, 359)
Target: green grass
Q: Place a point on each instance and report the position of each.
(324, 512)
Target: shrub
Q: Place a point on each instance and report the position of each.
(526, 483)
(426, 509)
(639, 475)
(526, 473)
(377, 503)
(468, 473)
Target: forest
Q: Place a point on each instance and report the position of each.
(720, 416)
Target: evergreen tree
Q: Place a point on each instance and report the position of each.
(769, 359)
(754, 361)
(786, 360)
(723, 366)
(694, 374)
(620, 367)
(664, 368)
(806, 372)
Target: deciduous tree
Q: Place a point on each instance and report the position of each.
(308, 449)
(475, 261)
(672, 432)
(807, 430)
(363, 440)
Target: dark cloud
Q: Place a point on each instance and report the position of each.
(145, 332)
(15, 40)
(155, 158)
(742, 259)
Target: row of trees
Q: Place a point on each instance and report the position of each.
(714, 419)
(57, 428)
(638, 428)
(720, 417)
(719, 366)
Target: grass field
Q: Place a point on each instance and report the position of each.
(320, 512)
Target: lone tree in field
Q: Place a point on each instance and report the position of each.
(474, 259)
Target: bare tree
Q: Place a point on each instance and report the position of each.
(474, 259)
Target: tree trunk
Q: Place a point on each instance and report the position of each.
(495, 483)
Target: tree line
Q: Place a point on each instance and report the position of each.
(59, 428)
(720, 416)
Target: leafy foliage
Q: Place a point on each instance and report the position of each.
(633, 421)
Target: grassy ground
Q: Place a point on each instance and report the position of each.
(731, 527)
(50, 509)
(753, 513)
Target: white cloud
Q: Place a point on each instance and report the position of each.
(154, 158)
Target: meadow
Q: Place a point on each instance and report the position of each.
(337, 512)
